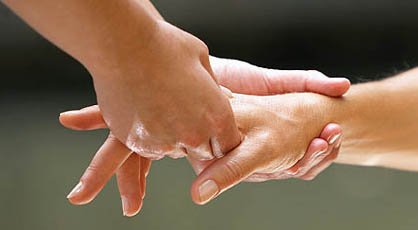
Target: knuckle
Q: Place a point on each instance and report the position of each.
(92, 172)
(204, 49)
(233, 171)
(194, 140)
(112, 138)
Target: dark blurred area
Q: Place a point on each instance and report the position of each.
(40, 161)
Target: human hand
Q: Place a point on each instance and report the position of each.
(318, 156)
(112, 157)
(240, 77)
(278, 131)
(161, 98)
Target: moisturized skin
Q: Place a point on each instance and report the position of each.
(113, 155)
(241, 77)
(379, 120)
(153, 81)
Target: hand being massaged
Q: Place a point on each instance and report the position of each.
(284, 137)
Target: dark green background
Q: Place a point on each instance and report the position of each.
(40, 161)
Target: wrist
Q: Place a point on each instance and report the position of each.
(120, 46)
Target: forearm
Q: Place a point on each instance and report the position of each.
(380, 123)
(93, 31)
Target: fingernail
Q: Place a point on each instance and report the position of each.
(125, 205)
(338, 145)
(334, 138)
(317, 154)
(75, 190)
(293, 171)
(72, 112)
(216, 147)
(207, 191)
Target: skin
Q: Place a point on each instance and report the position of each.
(378, 119)
(240, 76)
(153, 81)
(158, 61)
(386, 107)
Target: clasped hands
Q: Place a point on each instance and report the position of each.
(176, 108)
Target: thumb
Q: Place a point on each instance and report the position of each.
(88, 118)
(226, 172)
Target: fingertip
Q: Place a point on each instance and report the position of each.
(79, 195)
(194, 193)
(307, 177)
(74, 120)
(330, 131)
(65, 119)
(78, 201)
(317, 145)
(203, 192)
(131, 205)
(88, 118)
(338, 86)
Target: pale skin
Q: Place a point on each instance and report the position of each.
(154, 82)
(239, 76)
(379, 120)
(136, 56)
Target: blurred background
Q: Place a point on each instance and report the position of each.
(40, 161)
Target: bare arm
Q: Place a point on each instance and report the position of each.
(379, 120)
(88, 29)
(380, 123)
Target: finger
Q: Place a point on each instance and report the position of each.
(104, 164)
(283, 81)
(316, 148)
(88, 118)
(198, 165)
(202, 152)
(225, 172)
(331, 133)
(334, 148)
(318, 151)
(145, 168)
(325, 163)
(129, 177)
(225, 138)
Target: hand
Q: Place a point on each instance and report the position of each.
(316, 159)
(241, 74)
(277, 130)
(161, 98)
(113, 157)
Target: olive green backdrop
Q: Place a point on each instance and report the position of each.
(40, 161)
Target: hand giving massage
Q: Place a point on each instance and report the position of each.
(378, 118)
(160, 94)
